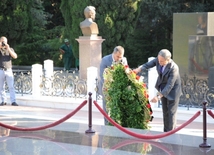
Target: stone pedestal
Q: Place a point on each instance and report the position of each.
(152, 78)
(90, 53)
(91, 81)
(36, 79)
(49, 68)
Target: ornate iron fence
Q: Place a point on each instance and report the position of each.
(195, 91)
(64, 83)
(68, 84)
(22, 82)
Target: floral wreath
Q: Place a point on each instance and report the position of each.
(126, 97)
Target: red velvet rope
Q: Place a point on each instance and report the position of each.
(199, 67)
(210, 113)
(46, 126)
(141, 136)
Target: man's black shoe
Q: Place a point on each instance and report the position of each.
(14, 104)
(2, 104)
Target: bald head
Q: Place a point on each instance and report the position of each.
(3, 39)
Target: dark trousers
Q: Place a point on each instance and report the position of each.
(104, 101)
(104, 108)
(67, 63)
(169, 108)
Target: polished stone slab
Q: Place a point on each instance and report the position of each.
(69, 137)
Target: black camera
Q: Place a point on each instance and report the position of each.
(3, 44)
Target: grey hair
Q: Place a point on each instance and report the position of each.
(119, 49)
(166, 54)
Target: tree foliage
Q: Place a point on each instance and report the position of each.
(36, 28)
(115, 18)
(14, 19)
(154, 28)
(73, 13)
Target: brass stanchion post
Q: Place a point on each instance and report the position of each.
(90, 114)
(204, 144)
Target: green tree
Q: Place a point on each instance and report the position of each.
(116, 20)
(73, 13)
(154, 31)
(55, 19)
(36, 29)
(30, 49)
(14, 20)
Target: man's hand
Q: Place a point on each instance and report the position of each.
(154, 99)
(61, 51)
(137, 70)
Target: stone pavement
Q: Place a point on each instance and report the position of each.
(194, 128)
(70, 138)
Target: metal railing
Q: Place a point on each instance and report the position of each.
(195, 91)
(64, 84)
(68, 84)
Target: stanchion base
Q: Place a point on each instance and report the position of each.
(89, 131)
(204, 145)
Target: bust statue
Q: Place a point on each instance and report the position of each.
(88, 26)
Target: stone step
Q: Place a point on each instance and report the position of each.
(72, 103)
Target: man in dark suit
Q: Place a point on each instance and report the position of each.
(168, 85)
(116, 57)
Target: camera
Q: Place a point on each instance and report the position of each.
(3, 44)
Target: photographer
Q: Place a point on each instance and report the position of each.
(6, 54)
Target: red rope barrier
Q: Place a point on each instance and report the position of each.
(46, 126)
(199, 67)
(210, 113)
(146, 136)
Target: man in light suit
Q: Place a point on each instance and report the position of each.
(116, 57)
(168, 85)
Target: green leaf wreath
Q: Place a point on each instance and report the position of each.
(126, 97)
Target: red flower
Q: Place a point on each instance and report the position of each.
(137, 77)
(148, 106)
(144, 85)
(126, 66)
(147, 96)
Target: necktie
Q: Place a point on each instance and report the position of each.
(161, 68)
(161, 85)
